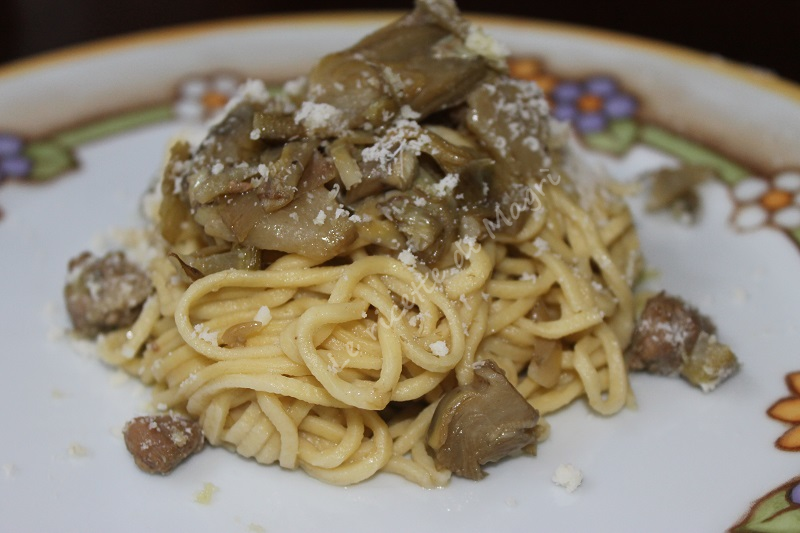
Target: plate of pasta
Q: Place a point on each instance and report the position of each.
(416, 271)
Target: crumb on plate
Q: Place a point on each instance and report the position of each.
(568, 476)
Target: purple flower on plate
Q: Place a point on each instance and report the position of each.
(794, 494)
(13, 162)
(590, 105)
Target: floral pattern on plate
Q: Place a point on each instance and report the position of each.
(779, 510)
(14, 163)
(604, 115)
(767, 202)
(201, 97)
(788, 410)
(776, 512)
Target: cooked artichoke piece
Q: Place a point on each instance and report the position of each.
(176, 217)
(510, 118)
(545, 365)
(481, 422)
(420, 61)
(272, 126)
(313, 225)
(709, 363)
(216, 259)
(676, 189)
(229, 142)
(429, 224)
(408, 110)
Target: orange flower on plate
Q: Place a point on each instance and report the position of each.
(202, 97)
(761, 202)
(528, 68)
(788, 410)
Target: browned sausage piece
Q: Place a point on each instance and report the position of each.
(160, 443)
(104, 294)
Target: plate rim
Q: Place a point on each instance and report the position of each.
(109, 46)
(761, 77)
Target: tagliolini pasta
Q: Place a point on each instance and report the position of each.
(335, 349)
(335, 363)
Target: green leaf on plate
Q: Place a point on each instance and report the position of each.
(616, 139)
(49, 159)
(795, 234)
(114, 124)
(54, 156)
(774, 513)
(692, 152)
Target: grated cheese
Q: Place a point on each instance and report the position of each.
(407, 258)
(408, 113)
(320, 219)
(203, 333)
(264, 315)
(568, 476)
(254, 90)
(541, 246)
(439, 348)
(403, 135)
(191, 378)
(479, 42)
(296, 87)
(319, 117)
(446, 185)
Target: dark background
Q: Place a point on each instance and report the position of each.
(764, 34)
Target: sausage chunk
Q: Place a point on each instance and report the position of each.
(106, 293)
(667, 330)
(672, 337)
(160, 443)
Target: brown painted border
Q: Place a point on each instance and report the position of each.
(761, 78)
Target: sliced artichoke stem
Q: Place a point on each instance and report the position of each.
(403, 170)
(191, 273)
(346, 165)
(217, 258)
(451, 136)
(294, 158)
(450, 157)
(277, 127)
(545, 365)
(176, 218)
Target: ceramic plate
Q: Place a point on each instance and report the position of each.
(83, 132)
